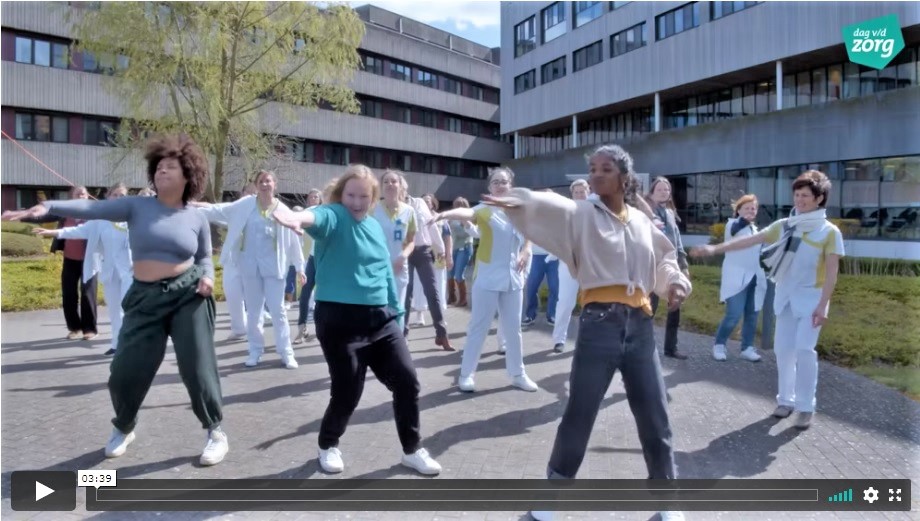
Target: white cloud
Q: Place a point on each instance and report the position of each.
(462, 14)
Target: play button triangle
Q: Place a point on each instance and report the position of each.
(42, 491)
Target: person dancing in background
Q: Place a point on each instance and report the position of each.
(803, 259)
(541, 266)
(110, 239)
(444, 262)
(744, 284)
(399, 224)
(659, 197)
(171, 295)
(314, 199)
(263, 251)
(358, 316)
(462, 233)
(568, 286)
(618, 258)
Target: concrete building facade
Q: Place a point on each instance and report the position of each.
(723, 98)
(429, 106)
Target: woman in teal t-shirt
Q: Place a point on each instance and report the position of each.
(358, 314)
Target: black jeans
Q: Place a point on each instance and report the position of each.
(79, 304)
(353, 338)
(671, 326)
(422, 259)
(306, 291)
(614, 337)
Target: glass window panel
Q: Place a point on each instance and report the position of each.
(737, 95)
(851, 80)
(747, 102)
(23, 126)
(678, 21)
(788, 91)
(60, 130)
(819, 85)
(868, 80)
(907, 70)
(42, 53)
(803, 89)
(60, 56)
(23, 50)
(89, 62)
(761, 98)
(888, 78)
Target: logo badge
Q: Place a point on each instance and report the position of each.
(874, 43)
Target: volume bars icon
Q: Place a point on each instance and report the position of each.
(842, 497)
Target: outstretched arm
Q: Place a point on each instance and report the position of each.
(457, 214)
(732, 245)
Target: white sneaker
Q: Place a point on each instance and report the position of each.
(252, 361)
(542, 515)
(422, 462)
(287, 306)
(750, 354)
(118, 443)
(266, 316)
(331, 460)
(466, 384)
(673, 515)
(524, 382)
(216, 448)
(502, 349)
(233, 337)
(718, 352)
(289, 362)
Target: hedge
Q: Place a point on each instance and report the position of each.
(14, 244)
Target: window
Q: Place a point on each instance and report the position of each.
(677, 20)
(405, 162)
(587, 56)
(451, 85)
(301, 150)
(99, 132)
(719, 9)
(335, 154)
(373, 65)
(40, 52)
(553, 18)
(425, 118)
(524, 37)
(475, 92)
(628, 40)
(423, 77)
(454, 125)
(23, 50)
(400, 71)
(455, 168)
(60, 129)
(371, 108)
(60, 55)
(617, 5)
(525, 81)
(587, 11)
(552, 70)
(402, 114)
(41, 127)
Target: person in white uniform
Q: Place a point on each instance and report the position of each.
(233, 283)
(501, 261)
(108, 254)
(399, 225)
(568, 286)
(803, 259)
(263, 250)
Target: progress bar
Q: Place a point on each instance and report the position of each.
(496, 495)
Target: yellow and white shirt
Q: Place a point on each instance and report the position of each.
(801, 285)
(397, 226)
(499, 246)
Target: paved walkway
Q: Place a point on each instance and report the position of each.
(56, 414)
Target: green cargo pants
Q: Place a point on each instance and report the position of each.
(153, 312)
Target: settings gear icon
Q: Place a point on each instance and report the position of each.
(870, 495)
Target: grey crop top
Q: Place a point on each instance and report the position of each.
(155, 232)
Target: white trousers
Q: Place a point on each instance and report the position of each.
(233, 291)
(484, 305)
(402, 283)
(796, 360)
(419, 300)
(440, 279)
(267, 292)
(114, 291)
(568, 295)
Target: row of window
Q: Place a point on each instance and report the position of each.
(809, 87)
(873, 197)
(57, 53)
(340, 154)
(413, 74)
(552, 20)
(63, 128)
(412, 115)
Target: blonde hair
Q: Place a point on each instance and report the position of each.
(461, 202)
(330, 186)
(116, 186)
(743, 200)
(146, 192)
(356, 171)
(403, 184)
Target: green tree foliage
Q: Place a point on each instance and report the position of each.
(222, 72)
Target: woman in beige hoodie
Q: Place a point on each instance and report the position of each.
(619, 258)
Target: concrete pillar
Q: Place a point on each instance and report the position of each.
(574, 131)
(779, 85)
(657, 112)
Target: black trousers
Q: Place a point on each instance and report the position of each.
(353, 338)
(78, 298)
(422, 260)
(671, 326)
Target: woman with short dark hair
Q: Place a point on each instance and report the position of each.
(171, 295)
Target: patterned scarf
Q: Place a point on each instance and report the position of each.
(778, 256)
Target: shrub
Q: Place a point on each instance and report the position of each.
(17, 227)
(14, 244)
(716, 233)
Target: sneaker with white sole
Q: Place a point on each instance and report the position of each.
(466, 384)
(559, 347)
(718, 352)
(803, 420)
(502, 349)
(523, 382)
(782, 411)
(289, 362)
(331, 460)
(542, 515)
(216, 448)
(118, 443)
(422, 462)
(750, 354)
(671, 515)
(252, 361)
(233, 337)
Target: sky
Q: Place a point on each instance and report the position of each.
(478, 21)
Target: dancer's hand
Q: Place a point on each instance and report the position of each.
(399, 263)
(36, 212)
(449, 261)
(523, 259)
(205, 287)
(703, 251)
(501, 202)
(44, 232)
(288, 219)
(658, 223)
(818, 316)
(676, 297)
(302, 278)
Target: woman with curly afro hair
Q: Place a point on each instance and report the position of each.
(170, 245)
